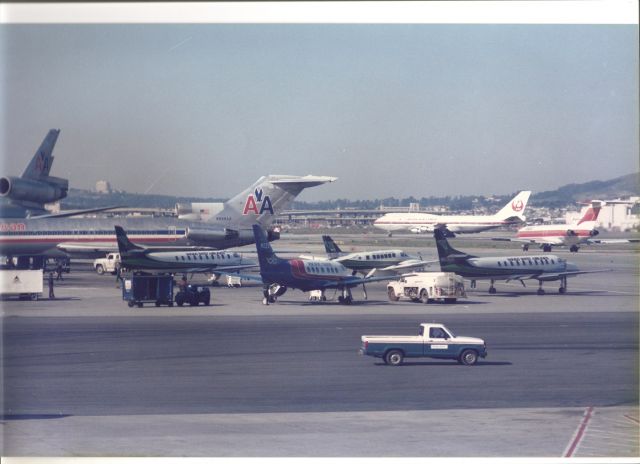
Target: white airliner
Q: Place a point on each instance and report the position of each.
(419, 223)
(572, 235)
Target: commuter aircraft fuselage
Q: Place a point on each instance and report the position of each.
(511, 213)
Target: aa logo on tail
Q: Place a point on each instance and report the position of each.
(517, 205)
(251, 205)
(42, 162)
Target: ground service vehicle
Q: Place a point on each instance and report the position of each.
(432, 341)
(193, 295)
(107, 264)
(23, 283)
(427, 287)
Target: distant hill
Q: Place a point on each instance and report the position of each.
(624, 186)
(567, 195)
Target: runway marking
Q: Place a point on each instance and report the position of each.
(632, 419)
(579, 433)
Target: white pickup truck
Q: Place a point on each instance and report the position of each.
(107, 264)
(427, 287)
(432, 341)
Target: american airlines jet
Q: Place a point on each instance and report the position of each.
(419, 223)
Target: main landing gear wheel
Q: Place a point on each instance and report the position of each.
(541, 291)
(574, 248)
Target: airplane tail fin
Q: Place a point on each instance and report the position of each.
(268, 196)
(515, 208)
(41, 162)
(266, 257)
(331, 247)
(591, 214)
(125, 246)
(445, 251)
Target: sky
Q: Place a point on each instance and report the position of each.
(391, 110)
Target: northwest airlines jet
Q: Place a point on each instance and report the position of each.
(418, 223)
(571, 235)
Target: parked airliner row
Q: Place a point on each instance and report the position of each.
(511, 213)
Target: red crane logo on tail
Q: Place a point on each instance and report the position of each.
(517, 206)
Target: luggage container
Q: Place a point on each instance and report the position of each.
(140, 289)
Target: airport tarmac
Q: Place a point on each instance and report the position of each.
(85, 375)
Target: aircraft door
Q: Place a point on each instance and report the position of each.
(172, 237)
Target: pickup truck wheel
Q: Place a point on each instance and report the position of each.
(392, 294)
(394, 357)
(468, 357)
(100, 269)
(424, 296)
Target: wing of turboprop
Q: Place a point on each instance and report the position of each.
(558, 275)
(408, 264)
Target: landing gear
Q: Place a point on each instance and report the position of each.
(525, 247)
(492, 289)
(574, 248)
(473, 284)
(364, 292)
(268, 297)
(563, 285)
(346, 297)
(546, 248)
(540, 289)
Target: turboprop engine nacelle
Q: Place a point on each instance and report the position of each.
(210, 235)
(17, 188)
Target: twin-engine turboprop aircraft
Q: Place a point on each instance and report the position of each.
(279, 274)
(177, 259)
(543, 268)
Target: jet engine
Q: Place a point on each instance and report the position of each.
(210, 235)
(17, 188)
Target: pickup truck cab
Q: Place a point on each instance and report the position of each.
(432, 341)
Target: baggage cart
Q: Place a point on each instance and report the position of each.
(142, 288)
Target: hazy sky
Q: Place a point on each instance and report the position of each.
(392, 110)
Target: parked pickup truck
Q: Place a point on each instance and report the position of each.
(432, 341)
(107, 264)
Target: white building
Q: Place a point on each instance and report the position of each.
(103, 186)
(616, 215)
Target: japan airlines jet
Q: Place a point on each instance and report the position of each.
(572, 235)
(511, 213)
(543, 268)
(304, 274)
(134, 257)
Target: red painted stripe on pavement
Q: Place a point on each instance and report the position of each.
(579, 433)
(632, 419)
